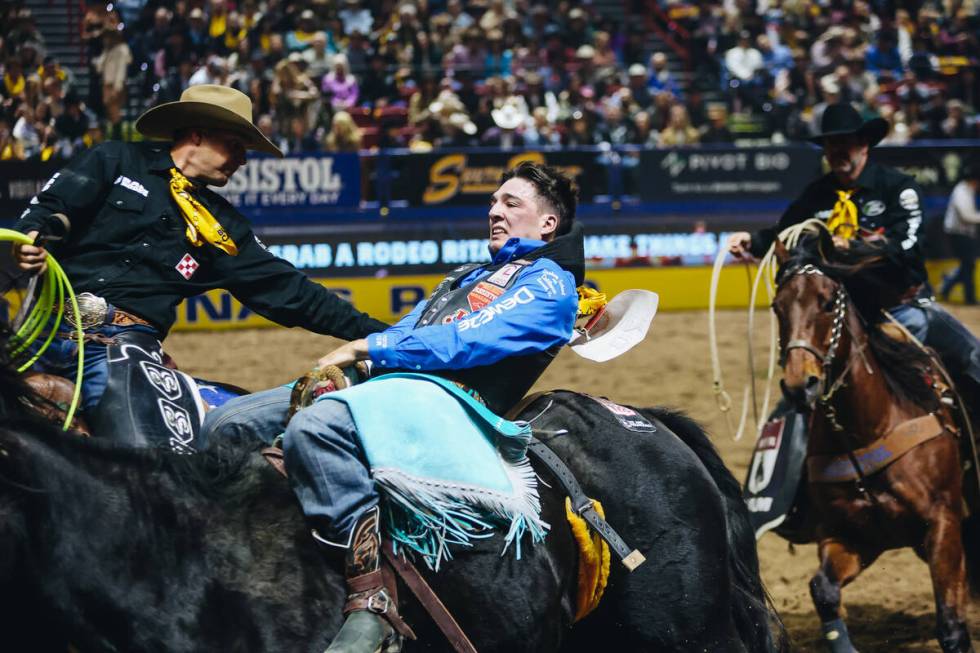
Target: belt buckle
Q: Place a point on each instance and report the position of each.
(92, 311)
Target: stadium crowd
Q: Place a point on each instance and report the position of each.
(342, 75)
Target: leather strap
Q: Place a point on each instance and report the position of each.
(876, 456)
(436, 608)
(122, 318)
(582, 504)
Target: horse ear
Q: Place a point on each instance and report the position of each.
(826, 245)
(780, 252)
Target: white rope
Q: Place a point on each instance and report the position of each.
(767, 269)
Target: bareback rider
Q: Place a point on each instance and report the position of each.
(137, 230)
(491, 328)
(862, 199)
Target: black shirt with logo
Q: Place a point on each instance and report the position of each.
(889, 203)
(127, 243)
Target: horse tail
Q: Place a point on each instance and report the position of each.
(759, 626)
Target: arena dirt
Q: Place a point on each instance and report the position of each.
(890, 607)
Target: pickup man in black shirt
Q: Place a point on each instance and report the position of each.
(137, 231)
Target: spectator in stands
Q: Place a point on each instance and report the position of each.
(499, 57)
(541, 132)
(961, 226)
(270, 130)
(615, 129)
(661, 78)
(377, 87)
(356, 18)
(14, 81)
(679, 130)
(301, 37)
(882, 59)
(300, 139)
(214, 71)
(578, 129)
(344, 134)
(495, 15)
(775, 58)
(72, 125)
(898, 129)
(318, 56)
(509, 121)
(198, 39)
(458, 131)
(637, 76)
(577, 31)
(716, 130)
(8, 146)
(646, 135)
(50, 69)
(956, 125)
(112, 65)
(27, 139)
(339, 86)
(605, 58)
(294, 95)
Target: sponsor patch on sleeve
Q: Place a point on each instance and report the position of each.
(503, 276)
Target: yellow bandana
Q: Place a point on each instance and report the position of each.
(590, 300)
(201, 225)
(843, 220)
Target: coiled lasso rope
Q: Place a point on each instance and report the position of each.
(767, 269)
(50, 301)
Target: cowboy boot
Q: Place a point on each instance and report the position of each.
(372, 622)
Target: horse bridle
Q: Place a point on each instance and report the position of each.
(836, 330)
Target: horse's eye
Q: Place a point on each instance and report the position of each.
(828, 306)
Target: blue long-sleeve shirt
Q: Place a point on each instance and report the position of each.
(536, 313)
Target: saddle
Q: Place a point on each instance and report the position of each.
(55, 394)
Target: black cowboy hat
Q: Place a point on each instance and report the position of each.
(842, 118)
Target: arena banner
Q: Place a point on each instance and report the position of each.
(937, 169)
(421, 249)
(463, 178)
(727, 173)
(388, 298)
(272, 187)
(19, 182)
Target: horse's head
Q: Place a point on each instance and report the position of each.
(811, 309)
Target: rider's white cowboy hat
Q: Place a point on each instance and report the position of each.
(206, 106)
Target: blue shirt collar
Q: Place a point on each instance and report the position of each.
(515, 248)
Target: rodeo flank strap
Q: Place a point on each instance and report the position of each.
(201, 225)
(593, 561)
(843, 219)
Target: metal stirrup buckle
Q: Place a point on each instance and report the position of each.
(380, 597)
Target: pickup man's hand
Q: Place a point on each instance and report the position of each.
(31, 258)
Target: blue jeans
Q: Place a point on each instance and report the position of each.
(260, 416)
(61, 359)
(328, 471)
(913, 318)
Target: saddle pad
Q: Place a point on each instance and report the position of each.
(435, 454)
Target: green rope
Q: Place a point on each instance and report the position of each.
(50, 301)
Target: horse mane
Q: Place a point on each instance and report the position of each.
(869, 276)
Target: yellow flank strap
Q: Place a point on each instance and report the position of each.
(843, 220)
(593, 561)
(201, 225)
(590, 300)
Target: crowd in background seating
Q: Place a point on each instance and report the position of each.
(345, 75)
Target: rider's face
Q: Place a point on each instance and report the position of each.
(846, 155)
(517, 211)
(218, 155)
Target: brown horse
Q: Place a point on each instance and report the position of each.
(883, 458)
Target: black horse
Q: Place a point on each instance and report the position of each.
(117, 549)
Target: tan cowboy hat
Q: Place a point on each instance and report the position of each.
(206, 106)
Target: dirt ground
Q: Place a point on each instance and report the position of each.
(890, 607)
